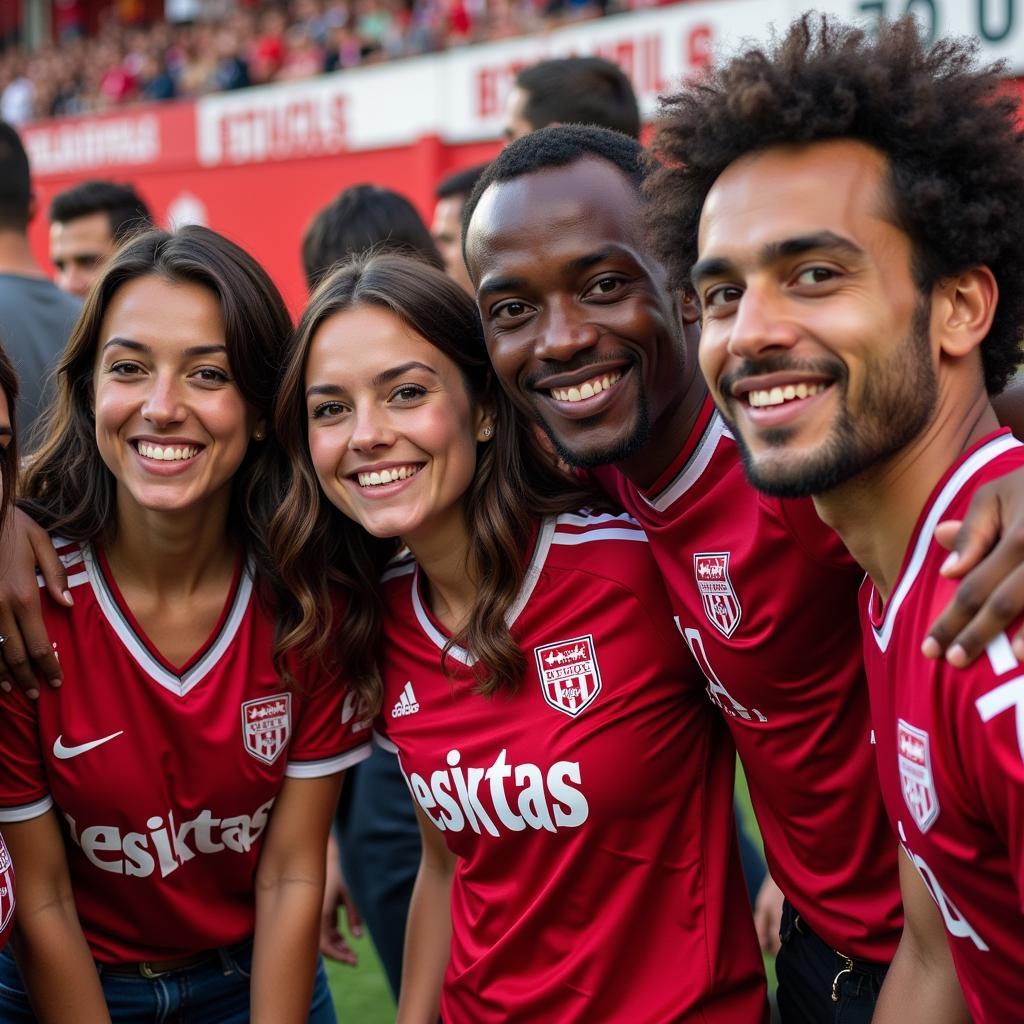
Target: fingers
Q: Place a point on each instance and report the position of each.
(50, 566)
(987, 601)
(334, 946)
(768, 915)
(353, 919)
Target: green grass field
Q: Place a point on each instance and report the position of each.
(361, 994)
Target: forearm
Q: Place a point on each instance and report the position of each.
(916, 993)
(285, 949)
(428, 936)
(57, 967)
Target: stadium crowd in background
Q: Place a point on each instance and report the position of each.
(235, 45)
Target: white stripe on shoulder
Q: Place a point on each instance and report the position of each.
(27, 811)
(327, 765)
(594, 535)
(590, 521)
(974, 463)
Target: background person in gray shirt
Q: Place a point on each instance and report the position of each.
(36, 317)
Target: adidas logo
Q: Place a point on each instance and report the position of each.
(407, 704)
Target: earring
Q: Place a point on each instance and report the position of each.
(487, 431)
(258, 435)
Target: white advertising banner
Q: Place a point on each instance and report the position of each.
(460, 95)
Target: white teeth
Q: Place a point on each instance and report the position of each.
(586, 390)
(777, 396)
(386, 476)
(159, 454)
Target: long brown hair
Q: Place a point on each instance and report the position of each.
(8, 455)
(315, 545)
(68, 488)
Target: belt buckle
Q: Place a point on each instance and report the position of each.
(146, 970)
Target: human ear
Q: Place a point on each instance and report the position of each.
(963, 308)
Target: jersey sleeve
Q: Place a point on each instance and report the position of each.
(991, 741)
(24, 789)
(332, 732)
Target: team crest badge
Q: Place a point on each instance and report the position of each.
(569, 675)
(6, 887)
(266, 726)
(916, 777)
(721, 605)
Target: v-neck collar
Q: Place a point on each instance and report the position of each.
(117, 613)
(432, 628)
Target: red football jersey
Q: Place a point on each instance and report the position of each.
(950, 745)
(597, 874)
(164, 778)
(766, 597)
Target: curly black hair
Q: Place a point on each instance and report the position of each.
(946, 126)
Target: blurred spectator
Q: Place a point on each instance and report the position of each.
(87, 222)
(572, 90)
(446, 229)
(216, 45)
(35, 316)
(361, 217)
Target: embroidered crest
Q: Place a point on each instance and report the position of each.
(569, 675)
(266, 726)
(721, 605)
(916, 777)
(6, 887)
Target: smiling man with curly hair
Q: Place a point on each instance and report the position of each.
(850, 213)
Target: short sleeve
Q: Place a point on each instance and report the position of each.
(332, 730)
(24, 789)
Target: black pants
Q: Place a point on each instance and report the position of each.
(809, 971)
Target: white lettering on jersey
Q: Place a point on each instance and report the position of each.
(1002, 698)
(956, 924)
(407, 704)
(355, 705)
(132, 853)
(547, 801)
(716, 690)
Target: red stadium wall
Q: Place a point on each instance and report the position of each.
(258, 163)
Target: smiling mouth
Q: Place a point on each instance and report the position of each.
(168, 453)
(589, 388)
(768, 397)
(386, 476)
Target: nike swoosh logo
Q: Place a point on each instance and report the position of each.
(63, 752)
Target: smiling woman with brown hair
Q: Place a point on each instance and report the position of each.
(167, 809)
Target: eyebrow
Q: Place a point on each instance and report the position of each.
(574, 266)
(137, 346)
(384, 377)
(718, 266)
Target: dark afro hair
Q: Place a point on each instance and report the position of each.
(947, 128)
(557, 146)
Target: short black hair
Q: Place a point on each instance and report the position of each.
(361, 218)
(15, 181)
(126, 209)
(558, 146)
(580, 90)
(460, 183)
(946, 127)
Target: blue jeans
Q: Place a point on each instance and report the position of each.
(810, 971)
(216, 992)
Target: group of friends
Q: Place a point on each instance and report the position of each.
(566, 549)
